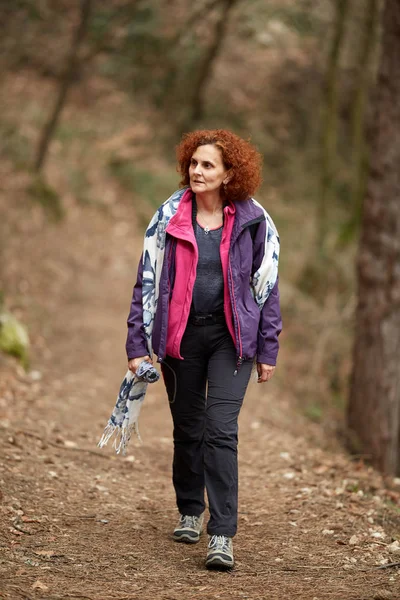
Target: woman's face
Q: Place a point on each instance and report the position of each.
(207, 170)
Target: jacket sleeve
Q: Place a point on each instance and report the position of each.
(136, 344)
(270, 324)
(269, 329)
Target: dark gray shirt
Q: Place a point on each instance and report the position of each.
(208, 290)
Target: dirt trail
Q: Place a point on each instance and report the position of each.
(77, 522)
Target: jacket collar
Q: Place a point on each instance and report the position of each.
(246, 213)
(180, 225)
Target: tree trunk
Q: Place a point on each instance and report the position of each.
(65, 82)
(205, 69)
(359, 146)
(330, 122)
(374, 404)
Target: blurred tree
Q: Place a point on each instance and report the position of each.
(176, 47)
(105, 25)
(330, 122)
(374, 403)
(206, 66)
(65, 83)
(360, 101)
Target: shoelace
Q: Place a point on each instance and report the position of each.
(189, 521)
(219, 541)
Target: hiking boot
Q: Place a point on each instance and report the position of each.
(188, 529)
(220, 553)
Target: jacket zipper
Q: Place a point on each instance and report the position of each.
(240, 357)
(161, 358)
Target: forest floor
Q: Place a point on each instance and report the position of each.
(79, 522)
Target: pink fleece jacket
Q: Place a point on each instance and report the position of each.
(186, 259)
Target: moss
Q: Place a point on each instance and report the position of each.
(14, 339)
(44, 194)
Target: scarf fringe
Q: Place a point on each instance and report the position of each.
(122, 436)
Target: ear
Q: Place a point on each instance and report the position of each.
(228, 178)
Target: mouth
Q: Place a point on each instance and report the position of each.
(195, 181)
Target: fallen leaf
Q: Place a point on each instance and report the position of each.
(378, 534)
(354, 540)
(394, 547)
(321, 469)
(15, 532)
(38, 585)
(102, 488)
(70, 444)
(47, 553)
(32, 563)
(26, 519)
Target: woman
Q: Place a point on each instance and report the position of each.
(217, 312)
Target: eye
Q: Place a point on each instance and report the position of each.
(193, 162)
(207, 165)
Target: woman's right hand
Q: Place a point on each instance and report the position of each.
(134, 363)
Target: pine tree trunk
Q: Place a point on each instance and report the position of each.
(374, 404)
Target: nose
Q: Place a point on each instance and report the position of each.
(197, 169)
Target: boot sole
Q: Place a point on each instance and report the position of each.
(186, 538)
(219, 564)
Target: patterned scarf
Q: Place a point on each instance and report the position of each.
(125, 416)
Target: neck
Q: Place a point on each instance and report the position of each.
(209, 203)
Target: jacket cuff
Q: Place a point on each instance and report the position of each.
(136, 352)
(266, 360)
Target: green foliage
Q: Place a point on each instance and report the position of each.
(14, 145)
(298, 17)
(314, 412)
(30, 6)
(67, 132)
(153, 187)
(353, 487)
(136, 55)
(79, 185)
(295, 17)
(42, 193)
(101, 23)
(14, 339)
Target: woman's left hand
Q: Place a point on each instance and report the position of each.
(265, 372)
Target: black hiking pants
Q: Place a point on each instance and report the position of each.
(205, 398)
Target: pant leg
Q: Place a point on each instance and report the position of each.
(185, 381)
(224, 400)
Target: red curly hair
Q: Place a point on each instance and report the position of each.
(239, 156)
